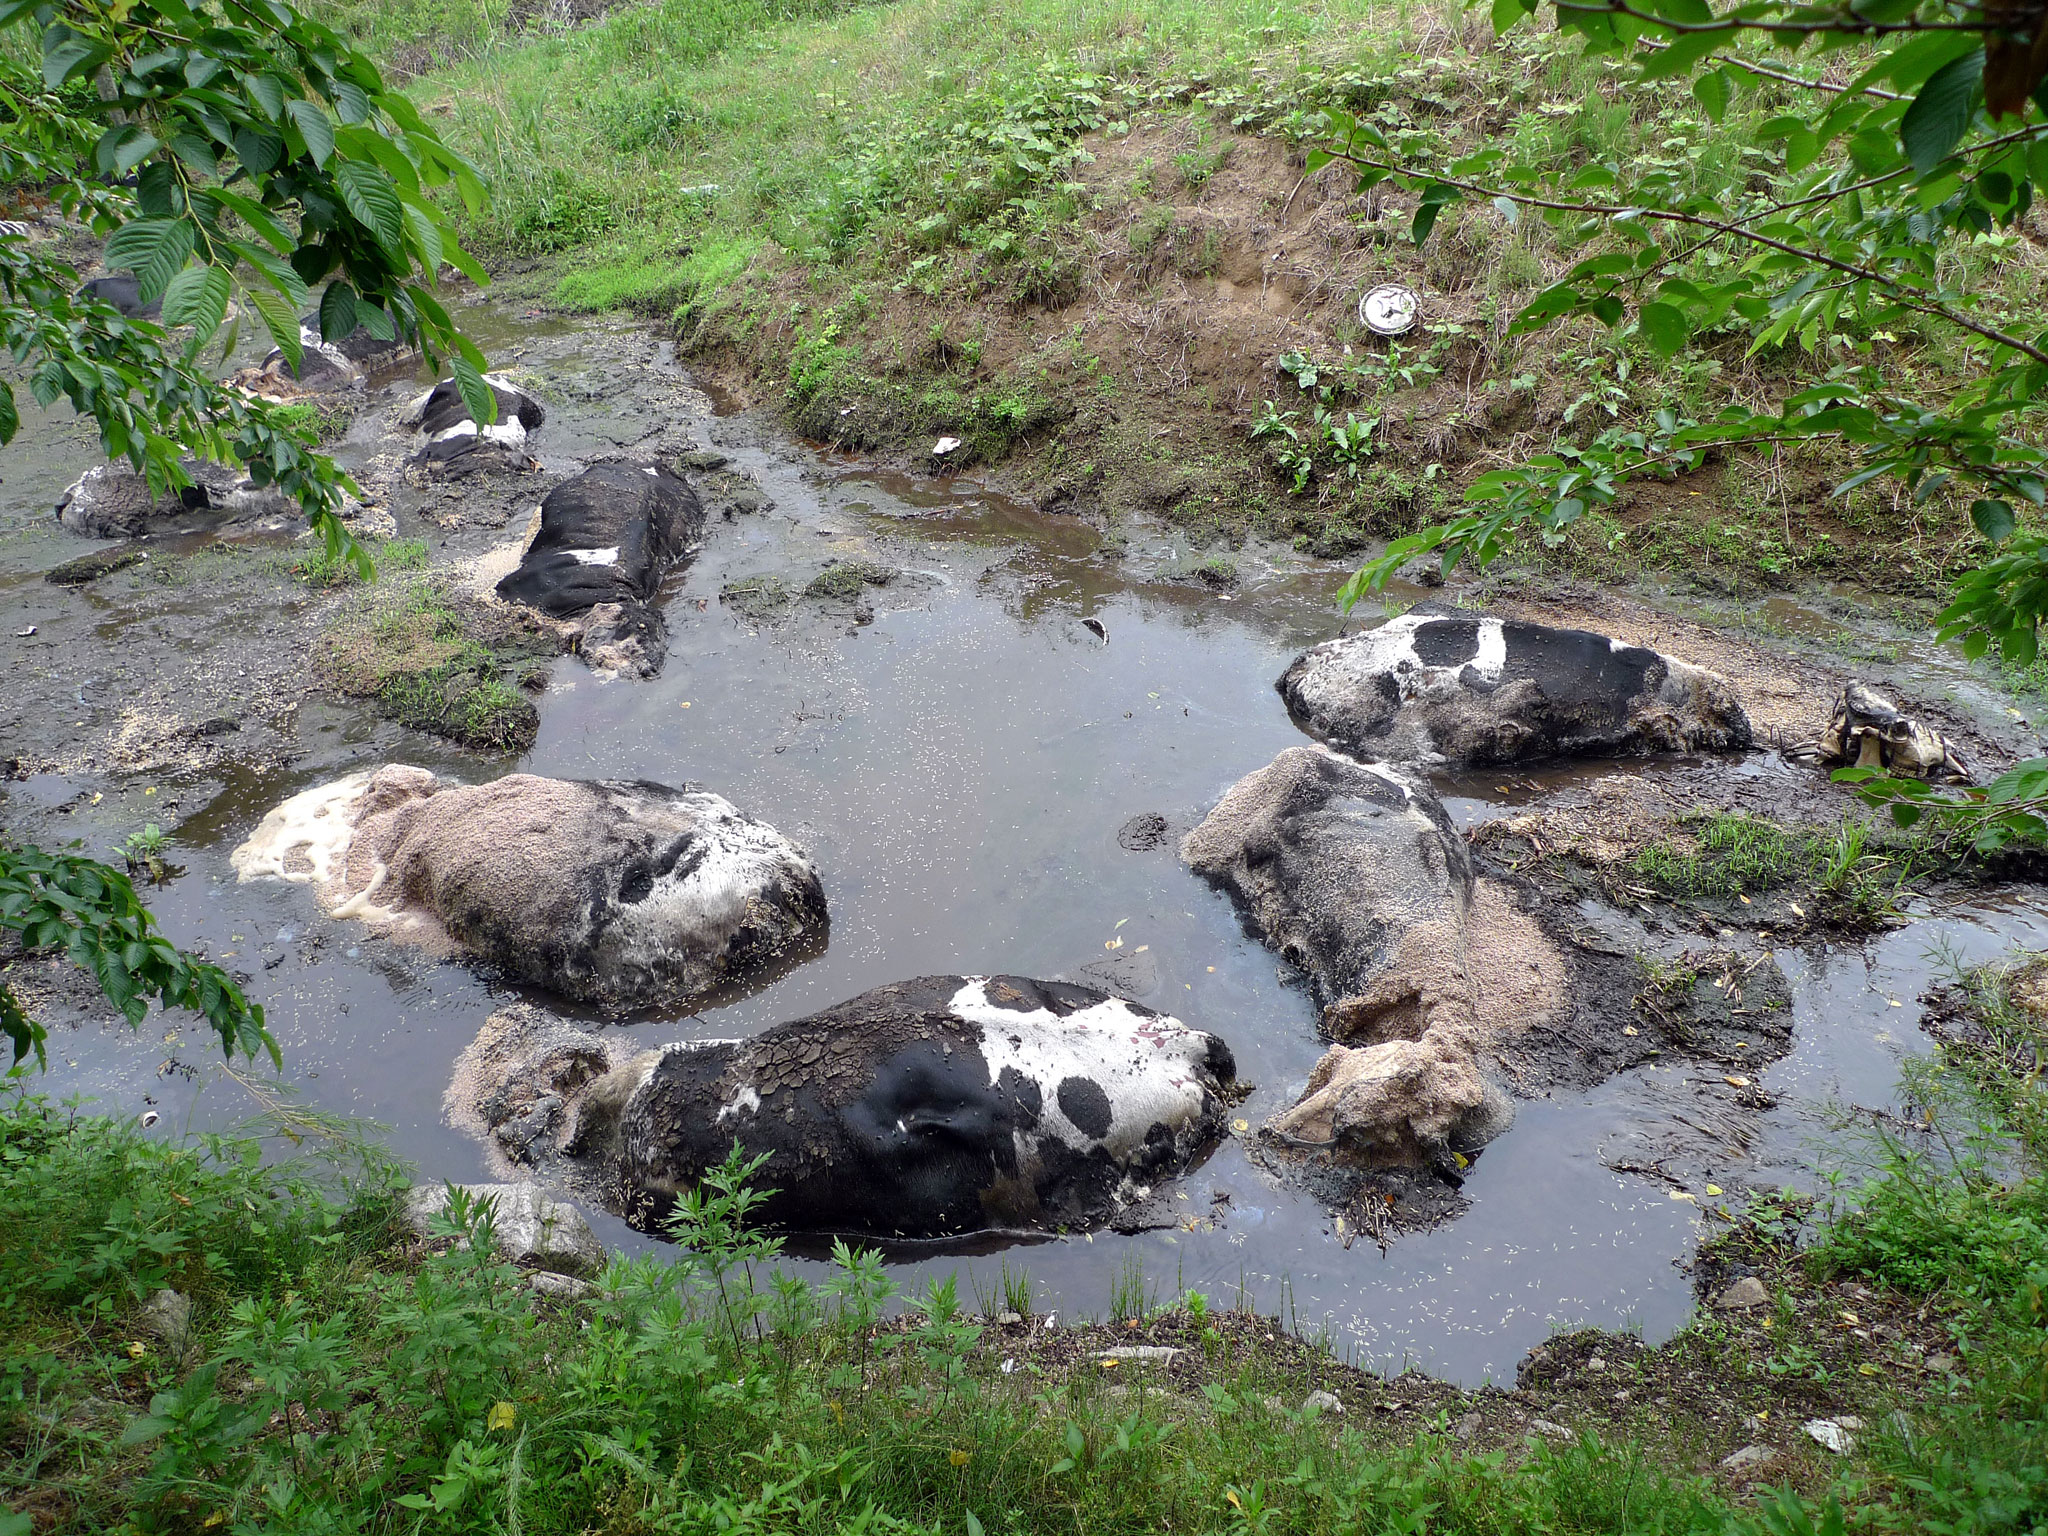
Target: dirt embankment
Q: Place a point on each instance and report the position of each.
(1123, 368)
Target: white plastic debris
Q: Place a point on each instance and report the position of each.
(944, 446)
(1838, 1435)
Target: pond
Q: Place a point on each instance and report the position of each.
(959, 763)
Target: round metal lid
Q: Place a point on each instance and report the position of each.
(1389, 310)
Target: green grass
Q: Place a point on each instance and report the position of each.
(771, 174)
(1958, 1214)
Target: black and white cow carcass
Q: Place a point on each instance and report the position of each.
(1437, 687)
(613, 892)
(1423, 970)
(606, 538)
(1866, 730)
(931, 1108)
(123, 290)
(456, 445)
(114, 501)
(326, 364)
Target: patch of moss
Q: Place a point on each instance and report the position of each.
(755, 597)
(434, 662)
(844, 580)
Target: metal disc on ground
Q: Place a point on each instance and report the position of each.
(1389, 310)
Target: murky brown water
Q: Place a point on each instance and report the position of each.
(959, 767)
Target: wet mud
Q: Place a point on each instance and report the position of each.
(991, 756)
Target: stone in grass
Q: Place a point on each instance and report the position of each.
(532, 1228)
(1837, 1434)
(1154, 1354)
(167, 1318)
(544, 1282)
(1748, 1457)
(1743, 1294)
(1323, 1402)
(1548, 1430)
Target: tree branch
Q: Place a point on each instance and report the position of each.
(1736, 229)
(1856, 26)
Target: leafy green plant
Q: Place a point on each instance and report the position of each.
(1879, 178)
(64, 901)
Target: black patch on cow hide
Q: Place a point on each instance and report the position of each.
(1577, 670)
(647, 516)
(1446, 642)
(1084, 1103)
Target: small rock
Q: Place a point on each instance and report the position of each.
(1157, 1353)
(563, 1287)
(1595, 1363)
(167, 1317)
(749, 500)
(531, 1228)
(1749, 1456)
(1323, 1402)
(704, 459)
(1549, 1430)
(1009, 1319)
(1837, 1435)
(1941, 1362)
(1744, 1293)
(1468, 1426)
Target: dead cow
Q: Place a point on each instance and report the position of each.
(1868, 731)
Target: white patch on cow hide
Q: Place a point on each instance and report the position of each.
(1149, 1065)
(711, 902)
(745, 1101)
(597, 556)
(1345, 670)
(305, 839)
(310, 341)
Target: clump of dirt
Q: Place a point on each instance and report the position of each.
(435, 658)
(89, 568)
(756, 598)
(847, 581)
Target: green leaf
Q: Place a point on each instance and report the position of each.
(281, 319)
(1994, 519)
(1918, 59)
(257, 217)
(338, 312)
(267, 92)
(1683, 52)
(66, 54)
(10, 414)
(1664, 327)
(153, 249)
(134, 148)
(1506, 13)
(1711, 91)
(476, 394)
(196, 153)
(314, 126)
(370, 196)
(198, 297)
(426, 237)
(1939, 116)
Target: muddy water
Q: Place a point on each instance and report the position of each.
(960, 762)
